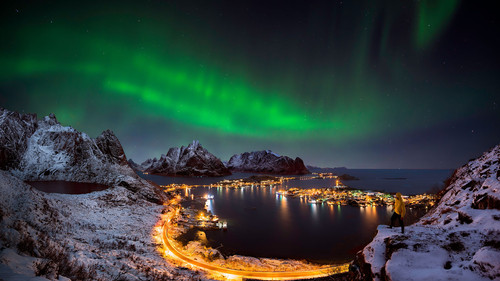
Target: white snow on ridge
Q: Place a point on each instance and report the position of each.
(270, 152)
(458, 240)
(41, 156)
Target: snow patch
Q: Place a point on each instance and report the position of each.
(457, 240)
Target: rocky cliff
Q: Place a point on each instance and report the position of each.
(266, 162)
(34, 150)
(133, 165)
(193, 160)
(459, 239)
(15, 131)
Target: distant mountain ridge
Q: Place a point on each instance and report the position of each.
(266, 161)
(193, 160)
(336, 170)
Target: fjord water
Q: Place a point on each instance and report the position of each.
(264, 224)
(406, 181)
(67, 187)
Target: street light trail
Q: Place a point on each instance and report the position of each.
(265, 275)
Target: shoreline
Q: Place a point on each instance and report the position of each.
(192, 234)
(237, 265)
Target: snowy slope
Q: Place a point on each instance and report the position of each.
(104, 235)
(266, 161)
(193, 160)
(458, 240)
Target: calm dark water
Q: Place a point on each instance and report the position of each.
(264, 224)
(66, 187)
(408, 182)
(192, 181)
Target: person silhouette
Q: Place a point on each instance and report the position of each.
(399, 212)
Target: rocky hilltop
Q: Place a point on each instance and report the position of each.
(33, 149)
(193, 160)
(457, 240)
(266, 162)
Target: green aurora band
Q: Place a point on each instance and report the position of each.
(433, 16)
(75, 64)
(172, 86)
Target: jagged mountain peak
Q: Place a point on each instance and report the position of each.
(193, 160)
(266, 161)
(194, 145)
(51, 120)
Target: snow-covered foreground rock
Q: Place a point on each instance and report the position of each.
(105, 235)
(458, 240)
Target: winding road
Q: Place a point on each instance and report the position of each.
(264, 275)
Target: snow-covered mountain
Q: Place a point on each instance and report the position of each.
(193, 160)
(34, 149)
(457, 240)
(94, 236)
(266, 161)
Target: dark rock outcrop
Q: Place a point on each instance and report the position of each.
(111, 148)
(15, 130)
(133, 165)
(347, 177)
(267, 162)
(193, 160)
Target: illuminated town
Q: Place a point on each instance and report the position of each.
(198, 214)
(336, 195)
(193, 213)
(196, 254)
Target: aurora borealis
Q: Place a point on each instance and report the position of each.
(370, 84)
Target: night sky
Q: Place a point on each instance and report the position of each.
(362, 84)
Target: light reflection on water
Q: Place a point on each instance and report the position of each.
(210, 206)
(265, 224)
(262, 224)
(390, 180)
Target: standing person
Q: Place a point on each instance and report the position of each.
(399, 211)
